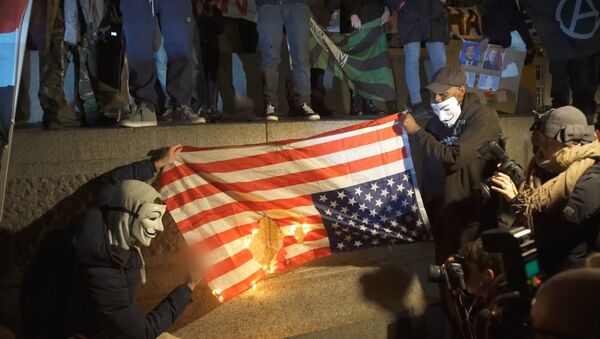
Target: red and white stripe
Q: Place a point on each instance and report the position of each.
(218, 196)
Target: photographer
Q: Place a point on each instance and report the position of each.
(560, 198)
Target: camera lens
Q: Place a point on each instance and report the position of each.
(434, 273)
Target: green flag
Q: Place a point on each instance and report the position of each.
(361, 59)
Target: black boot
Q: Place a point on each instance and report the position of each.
(355, 104)
(370, 108)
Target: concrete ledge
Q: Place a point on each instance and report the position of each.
(76, 151)
(46, 167)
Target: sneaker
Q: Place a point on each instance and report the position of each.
(167, 114)
(271, 113)
(183, 114)
(142, 116)
(308, 112)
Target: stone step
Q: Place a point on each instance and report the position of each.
(322, 299)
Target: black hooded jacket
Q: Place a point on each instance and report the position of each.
(79, 284)
(453, 172)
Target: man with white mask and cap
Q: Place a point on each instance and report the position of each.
(81, 281)
(452, 168)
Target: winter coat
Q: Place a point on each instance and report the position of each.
(499, 18)
(565, 238)
(453, 172)
(420, 21)
(366, 10)
(79, 284)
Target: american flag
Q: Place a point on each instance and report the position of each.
(255, 210)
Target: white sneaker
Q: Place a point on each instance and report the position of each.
(271, 113)
(308, 113)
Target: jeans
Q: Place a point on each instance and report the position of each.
(175, 19)
(271, 21)
(412, 52)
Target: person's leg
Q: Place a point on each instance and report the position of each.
(53, 64)
(139, 27)
(560, 90)
(90, 113)
(583, 83)
(437, 55)
(175, 17)
(296, 18)
(412, 52)
(270, 37)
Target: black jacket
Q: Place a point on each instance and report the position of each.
(499, 18)
(78, 284)
(366, 10)
(420, 21)
(453, 172)
(567, 237)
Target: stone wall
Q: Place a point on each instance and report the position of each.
(365, 294)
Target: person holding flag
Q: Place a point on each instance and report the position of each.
(353, 14)
(81, 281)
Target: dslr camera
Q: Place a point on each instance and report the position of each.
(450, 275)
(492, 150)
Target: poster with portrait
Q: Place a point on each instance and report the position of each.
(488, 82)
(470, 53)
(471, 78)
(497, 82)
(493, 59)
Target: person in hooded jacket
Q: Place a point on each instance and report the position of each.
(81, 281)
(453, 170)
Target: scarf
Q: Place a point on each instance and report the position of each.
(571, 162)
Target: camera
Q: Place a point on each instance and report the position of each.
(507, 165)
(451, 275)
(519, 258)
(508, 314)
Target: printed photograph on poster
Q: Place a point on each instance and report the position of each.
(493, 59)
(471, 76)
(470, 53)
(488, 82)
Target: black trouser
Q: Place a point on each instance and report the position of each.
(578, 77)
(175, 20)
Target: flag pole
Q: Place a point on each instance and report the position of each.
(18, 66)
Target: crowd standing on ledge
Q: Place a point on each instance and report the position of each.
(116, 46)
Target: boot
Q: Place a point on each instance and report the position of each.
(355, 104)
(370, 109)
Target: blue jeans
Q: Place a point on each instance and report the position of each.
(412, 52)
(139, 24)
(271, 21)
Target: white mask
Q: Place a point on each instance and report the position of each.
(148, 222)
(447, 111)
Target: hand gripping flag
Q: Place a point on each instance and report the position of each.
(255, 210)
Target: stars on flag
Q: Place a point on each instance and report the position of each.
(377, 213)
